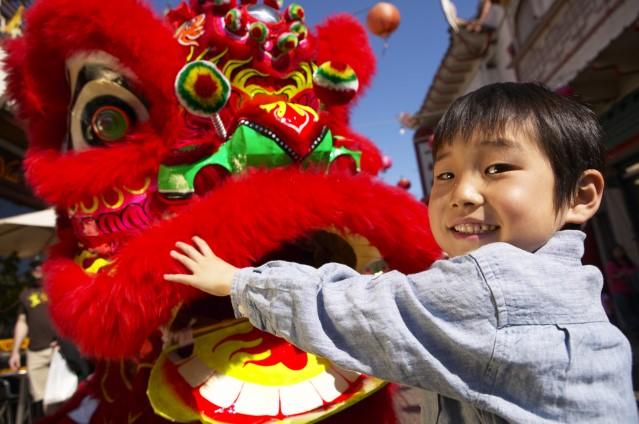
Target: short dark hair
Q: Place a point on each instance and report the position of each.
(568, 132)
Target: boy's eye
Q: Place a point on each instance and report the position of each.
(445, 176)
(497, 168)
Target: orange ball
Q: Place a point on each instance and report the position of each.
(383, 19)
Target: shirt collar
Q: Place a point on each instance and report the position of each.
(566, 245)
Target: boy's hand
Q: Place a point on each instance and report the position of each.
(209, 273)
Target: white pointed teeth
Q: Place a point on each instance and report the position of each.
(299, 398)
(262, 400)
(475, 228)
(221, 390)
(258, 400)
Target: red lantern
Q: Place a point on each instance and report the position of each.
(403, 183)
(383, 19)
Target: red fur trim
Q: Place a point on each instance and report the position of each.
(65, 179)
(130, 298)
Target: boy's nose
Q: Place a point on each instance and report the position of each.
(466, 193)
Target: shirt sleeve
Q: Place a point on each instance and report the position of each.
(434, 330)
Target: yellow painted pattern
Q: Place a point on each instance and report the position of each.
(105, 376)
(133, 418)
(217, 58)
(223, 360)
(192, 77)
(280, 109)
(118, 203)
(302, 79)
(95, 265)
(141, 190)
(167, 404)
(124, 376)
(92, 208)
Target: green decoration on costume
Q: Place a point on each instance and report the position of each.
(338, 77)
(258, 31)
(287, 42)
(294, 12)
(233, 21)
(202, 88)
(248, 148)
(300, 29)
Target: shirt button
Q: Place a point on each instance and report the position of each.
(241, 310)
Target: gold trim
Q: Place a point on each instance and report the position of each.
(143, 189)
(93, 208)
(103, 381)
(118, 203)
(133, 419)
(126, 381)
(219, 56)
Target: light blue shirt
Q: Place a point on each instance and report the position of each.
(497, 334)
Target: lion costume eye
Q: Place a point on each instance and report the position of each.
(104, 108)
(110, 123)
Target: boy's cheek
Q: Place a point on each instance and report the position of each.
(437, 228)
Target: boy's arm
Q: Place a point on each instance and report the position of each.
(434, 330)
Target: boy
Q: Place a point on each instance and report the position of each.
(511, 328)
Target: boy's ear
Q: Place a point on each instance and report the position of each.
(587, 198)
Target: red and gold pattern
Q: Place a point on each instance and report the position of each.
(236, 373)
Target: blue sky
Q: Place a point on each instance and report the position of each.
(404, 72)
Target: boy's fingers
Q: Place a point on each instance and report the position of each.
(203, 246)
(179, 278)
(190, 251)
(184, 260)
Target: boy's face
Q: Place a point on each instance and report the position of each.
(491, 190)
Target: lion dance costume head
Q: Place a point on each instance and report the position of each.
(229, 120)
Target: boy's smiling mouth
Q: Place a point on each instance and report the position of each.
(473, 228)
